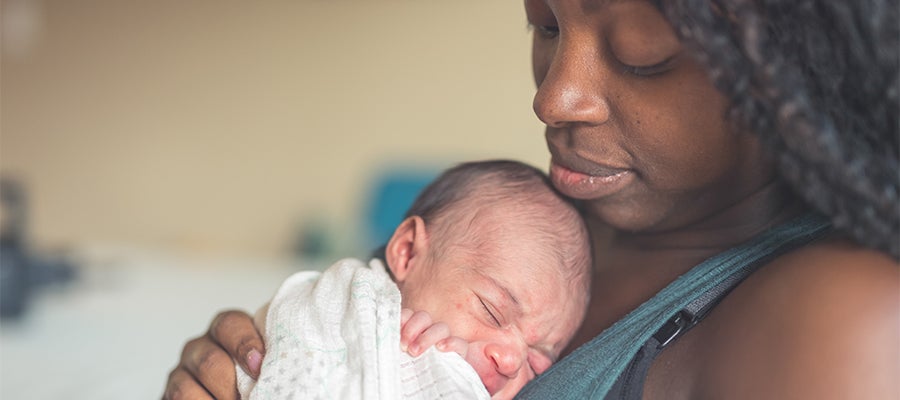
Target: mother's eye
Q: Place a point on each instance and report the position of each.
(546, 31)
(649, 70)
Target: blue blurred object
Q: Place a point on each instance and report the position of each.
(21, 271)
(14, 281)
(393, 191)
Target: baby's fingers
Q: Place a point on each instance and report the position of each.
(405, 314)
(431, 336)
(454, 344)
(412, 324)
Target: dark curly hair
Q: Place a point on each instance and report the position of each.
(817, 80)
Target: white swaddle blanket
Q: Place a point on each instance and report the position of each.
(336, 335)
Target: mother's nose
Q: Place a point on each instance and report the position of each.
(572, 89)
(507, 358)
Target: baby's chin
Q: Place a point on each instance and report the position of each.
(500, 387)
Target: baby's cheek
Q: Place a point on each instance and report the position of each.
(539, 363)
(514, 386)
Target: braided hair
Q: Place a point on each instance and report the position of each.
(817, 80)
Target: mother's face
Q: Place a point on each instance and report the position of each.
(634, 125)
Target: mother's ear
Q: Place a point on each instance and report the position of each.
(407, 247)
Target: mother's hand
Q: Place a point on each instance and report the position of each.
(206, 369)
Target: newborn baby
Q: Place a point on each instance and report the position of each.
(491, 264)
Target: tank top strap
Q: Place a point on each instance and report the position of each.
(592, 369)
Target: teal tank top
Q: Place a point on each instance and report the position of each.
(590, 371)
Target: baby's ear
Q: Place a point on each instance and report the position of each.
(407, 247)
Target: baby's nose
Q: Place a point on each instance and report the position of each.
(507, 358)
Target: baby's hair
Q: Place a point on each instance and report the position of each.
(508, 177)
(468, 193)
(817, 80)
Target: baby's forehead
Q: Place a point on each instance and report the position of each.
(549, 300)
(533, 248)
(526, 218)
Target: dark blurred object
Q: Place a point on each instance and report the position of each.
(20, 271)
(14, 285)
(312, 242)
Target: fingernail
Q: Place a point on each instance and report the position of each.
(414, 350)
(254, 360)
(441, 346)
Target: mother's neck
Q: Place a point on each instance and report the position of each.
(629, 268)
(770, 205)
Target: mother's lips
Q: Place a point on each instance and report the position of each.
(596, 183)
(573, 162)
(587, 168)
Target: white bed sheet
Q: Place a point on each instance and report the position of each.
(116, 331)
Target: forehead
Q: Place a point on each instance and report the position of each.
(523, 256)
(607, 10)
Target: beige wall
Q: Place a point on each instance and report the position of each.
(217, 126)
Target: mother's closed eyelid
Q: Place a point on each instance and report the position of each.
(546, 31)
(648, 70)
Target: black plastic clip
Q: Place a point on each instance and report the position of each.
(673, 328)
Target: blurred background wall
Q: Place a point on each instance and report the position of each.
(225, 126)
(180, 151)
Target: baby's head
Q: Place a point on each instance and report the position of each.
(490, 249)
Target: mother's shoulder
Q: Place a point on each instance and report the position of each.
(819, 282)
(831, 282)
(819, 322)
(833, 264)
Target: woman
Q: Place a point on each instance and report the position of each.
(693, 130)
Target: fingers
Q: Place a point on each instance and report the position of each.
(404, 316)
(206, 369)
(418, 332)
(183, 386)
(454, 344)
(412, 325)
(428, 338)
(208, 366)
(236, 333)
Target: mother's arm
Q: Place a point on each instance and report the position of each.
(206, 368)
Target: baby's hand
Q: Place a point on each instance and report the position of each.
(418, 332)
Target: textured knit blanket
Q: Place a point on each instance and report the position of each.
(336, 335)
